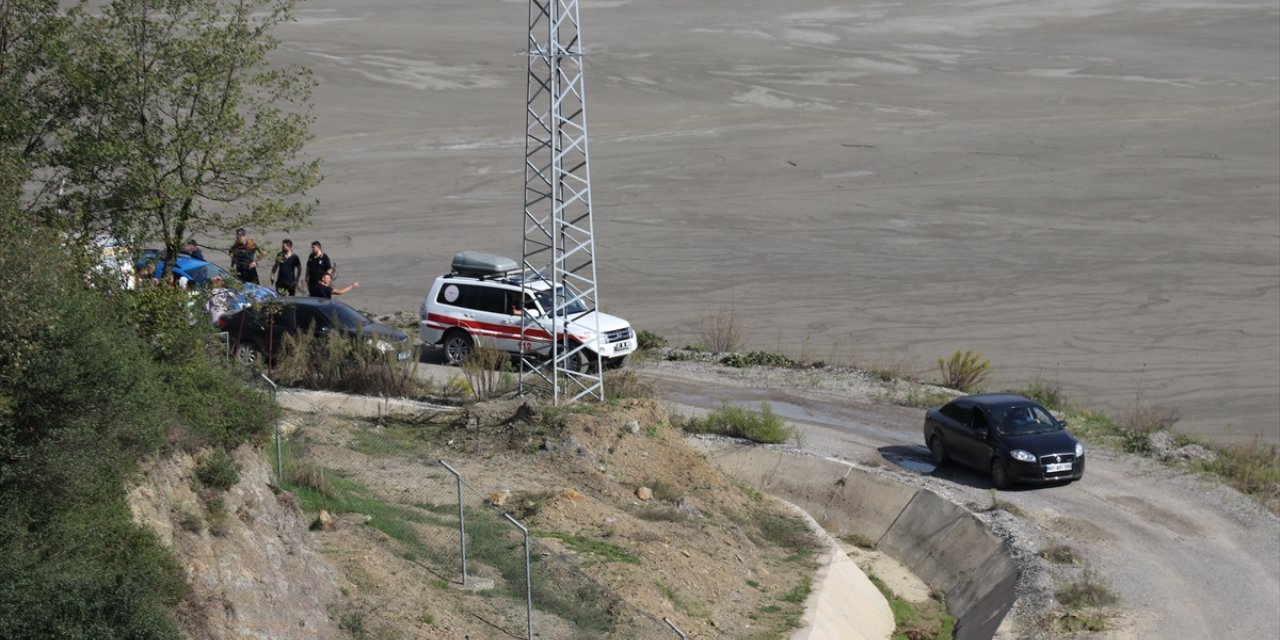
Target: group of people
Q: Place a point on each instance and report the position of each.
(287, 270)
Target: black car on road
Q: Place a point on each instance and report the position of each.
(260, 329)
(1009, 436)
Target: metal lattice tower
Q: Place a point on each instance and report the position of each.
(559, 243)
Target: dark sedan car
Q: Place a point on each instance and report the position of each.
(1007, 435)
(260, 329)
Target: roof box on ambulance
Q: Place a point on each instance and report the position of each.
(475, 264)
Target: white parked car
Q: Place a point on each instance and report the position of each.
(484, 301)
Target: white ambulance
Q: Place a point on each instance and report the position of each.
(484, 300)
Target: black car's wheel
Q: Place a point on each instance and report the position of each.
(938, 451)
(457, 344)
(999, 474)
(247, 354)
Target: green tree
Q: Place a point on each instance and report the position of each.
(35, 101)
(188, 128)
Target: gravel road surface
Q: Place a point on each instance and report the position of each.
(1187, 557)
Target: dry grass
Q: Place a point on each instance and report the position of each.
(1252, 467)
(1058, 553)
(722, 332)
(488, 372)
(341, 364)
(1088, 592)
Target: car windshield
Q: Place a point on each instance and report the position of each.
(346, 317)
(544, 300)
(1024, 419)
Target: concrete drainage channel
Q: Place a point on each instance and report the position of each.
(942, 543)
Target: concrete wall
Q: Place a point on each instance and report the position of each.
(942, 543)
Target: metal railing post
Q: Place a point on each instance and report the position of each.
(528, 577)
(675, 628)
(279, 449)
(462, 527)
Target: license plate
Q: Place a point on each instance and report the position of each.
(622, 346)
(1057, 466)
(403, 355)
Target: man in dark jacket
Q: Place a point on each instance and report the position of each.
(318, 266)
(244, 257)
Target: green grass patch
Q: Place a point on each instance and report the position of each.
(916, 621)
(344, 495)
(682, 603)
(759, 426)
(606, 551)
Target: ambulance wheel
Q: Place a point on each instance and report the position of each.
(457, 344)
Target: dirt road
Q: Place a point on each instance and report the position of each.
(1188, 558)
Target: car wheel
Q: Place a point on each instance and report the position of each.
(247, 354)
(457, 344)
(938, 451)
(584, 361)
(999, 474)
(617, 363)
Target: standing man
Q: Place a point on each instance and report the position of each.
(324, 289)
(244, 257)
(192, 249)
(286, 270)
(318, 266)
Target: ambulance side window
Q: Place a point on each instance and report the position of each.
(489, 299)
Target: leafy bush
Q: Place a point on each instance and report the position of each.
(165, 318)
(81, 400)
(648, 341)
(218, 471)
(89, 385)
(759, 426)
(214, 401)
(965, 370)
(757, 359)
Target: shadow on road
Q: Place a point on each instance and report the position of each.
(915, 458)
